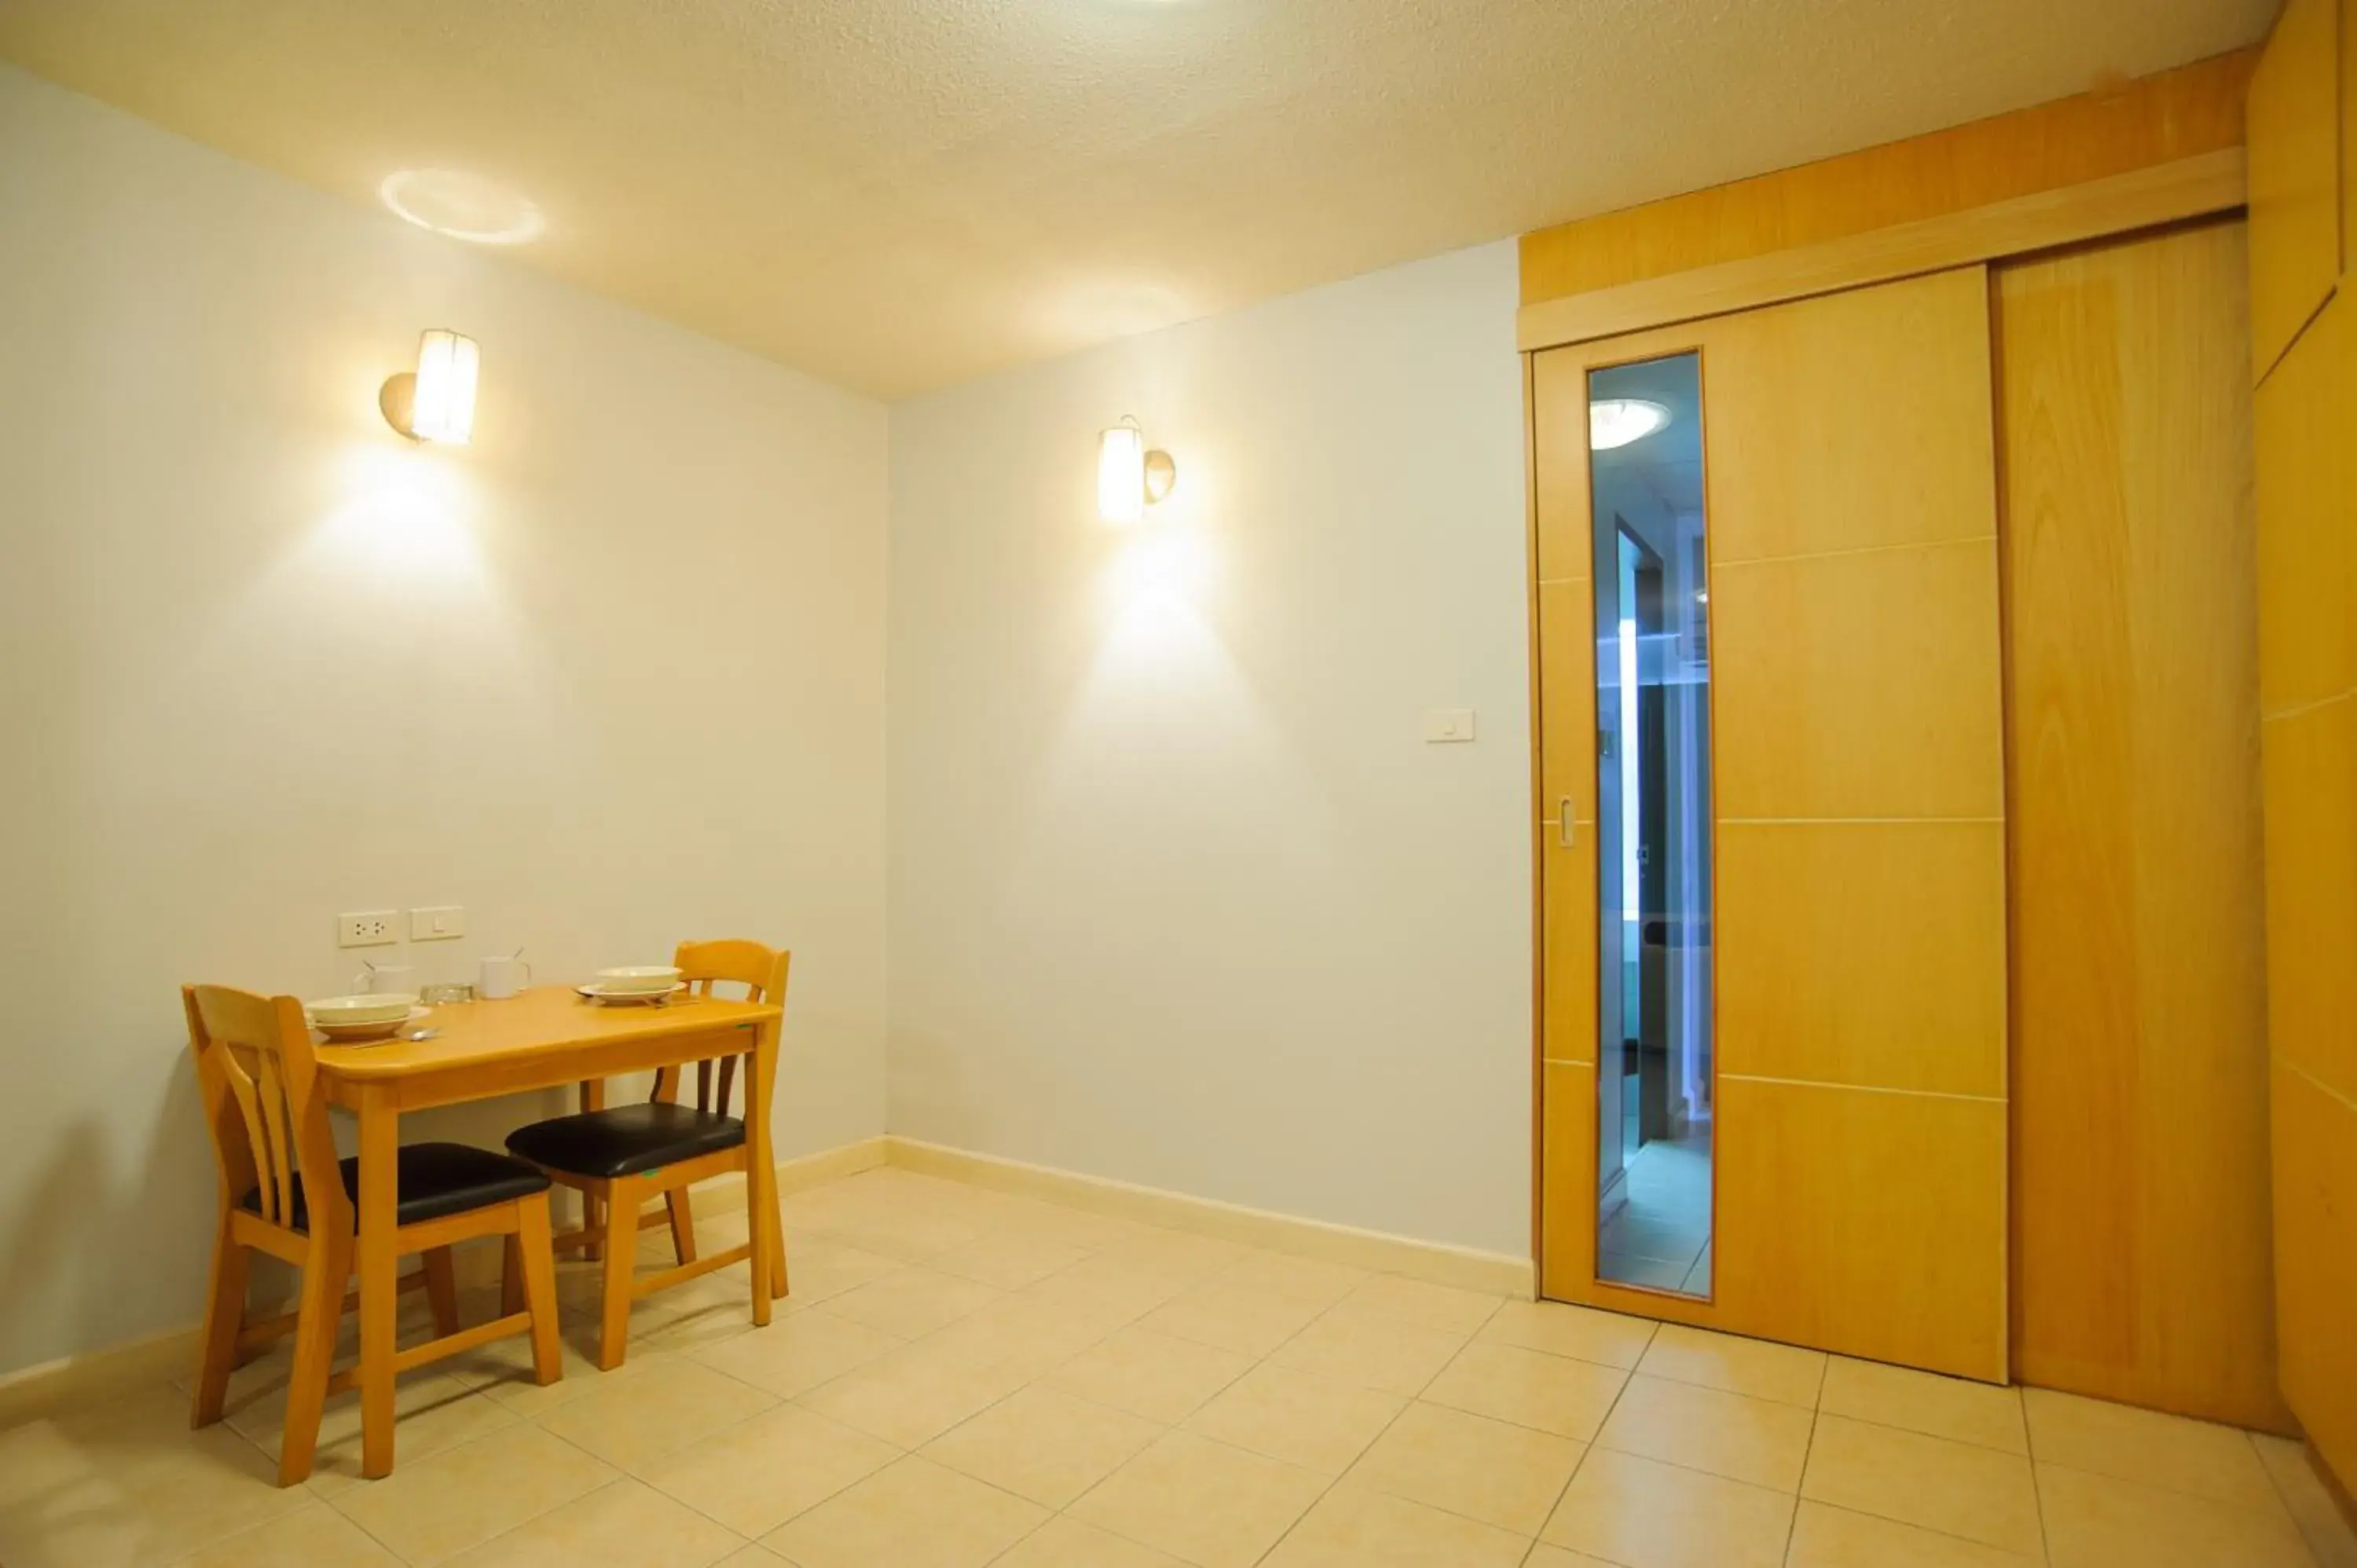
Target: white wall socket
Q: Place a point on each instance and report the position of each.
(438, 924)
(369, 929)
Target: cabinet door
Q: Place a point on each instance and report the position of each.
(1857, 898)
(2294, 135)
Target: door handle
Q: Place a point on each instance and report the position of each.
(1563, 823)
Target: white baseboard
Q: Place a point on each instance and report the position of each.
(94, 1375)
(1438, 1262)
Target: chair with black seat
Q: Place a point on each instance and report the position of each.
(618, 1158)
(284, 1192)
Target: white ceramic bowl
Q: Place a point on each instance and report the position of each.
(386, 1007)
(638, 977)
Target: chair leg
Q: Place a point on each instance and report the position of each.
(512, 1295)
(774, 1217)
(321, 1309)
(224, 1315)
(593, 1216)
(683, 1224)
(442, 1290)
(622, 1201)
(530, 1248)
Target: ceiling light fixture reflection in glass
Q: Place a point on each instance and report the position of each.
(1616, 421)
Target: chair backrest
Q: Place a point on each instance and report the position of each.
(762, 970)
(263, 1102)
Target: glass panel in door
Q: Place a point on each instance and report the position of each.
(1655, 1051)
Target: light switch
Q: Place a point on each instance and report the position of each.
(1444, 724)
(437, 925)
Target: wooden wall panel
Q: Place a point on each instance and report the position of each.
(2310, 771)
(1865, 1221)
(2294, 173)
(2175, 115)
(2316, 1259)
(2140, 1209)
(2307, 552)
(2301, 123)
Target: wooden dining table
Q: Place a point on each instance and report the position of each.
(545, 1038)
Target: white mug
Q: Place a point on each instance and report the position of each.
(503, 976)
(386, 979)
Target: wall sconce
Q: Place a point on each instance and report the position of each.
(437, 401)
(1129, 477)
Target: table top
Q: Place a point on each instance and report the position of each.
(545, 1018)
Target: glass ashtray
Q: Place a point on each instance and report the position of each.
(443, 995)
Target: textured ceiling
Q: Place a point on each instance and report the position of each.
(895, 194)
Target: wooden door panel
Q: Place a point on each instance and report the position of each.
(1865, 1221)
(1855, 656)
(2140, 1215)
(1861, 685)
(1808, 908)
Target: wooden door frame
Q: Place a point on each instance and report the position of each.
(1643, 1301)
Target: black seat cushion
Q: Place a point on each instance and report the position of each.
(436, 1179)
(627, 1140)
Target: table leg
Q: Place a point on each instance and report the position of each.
(760, 1074)
(379, 1177)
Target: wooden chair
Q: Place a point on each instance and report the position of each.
(284, 1192)
(618, 1158)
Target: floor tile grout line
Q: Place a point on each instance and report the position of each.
(1336, 1479)
(2306, 1539)
(367, 1487)
(1800, 1486)
(1179, 1425)
(1587, 1450)
(2282, 1510)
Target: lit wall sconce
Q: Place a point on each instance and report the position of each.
(1129, 477)
(437, 401)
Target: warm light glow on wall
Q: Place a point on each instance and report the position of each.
(436, 402)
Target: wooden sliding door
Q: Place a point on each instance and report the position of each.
(1858, 812)
(2139, 968)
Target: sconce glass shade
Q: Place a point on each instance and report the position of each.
(1121, 474)
(443, 405)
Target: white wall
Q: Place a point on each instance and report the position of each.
(610, 678)
(1179, 894)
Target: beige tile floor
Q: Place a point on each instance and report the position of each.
(964, 1378)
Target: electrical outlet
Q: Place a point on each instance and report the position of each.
(369, 929)
(437, 925)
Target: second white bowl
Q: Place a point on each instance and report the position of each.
(638, 977)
